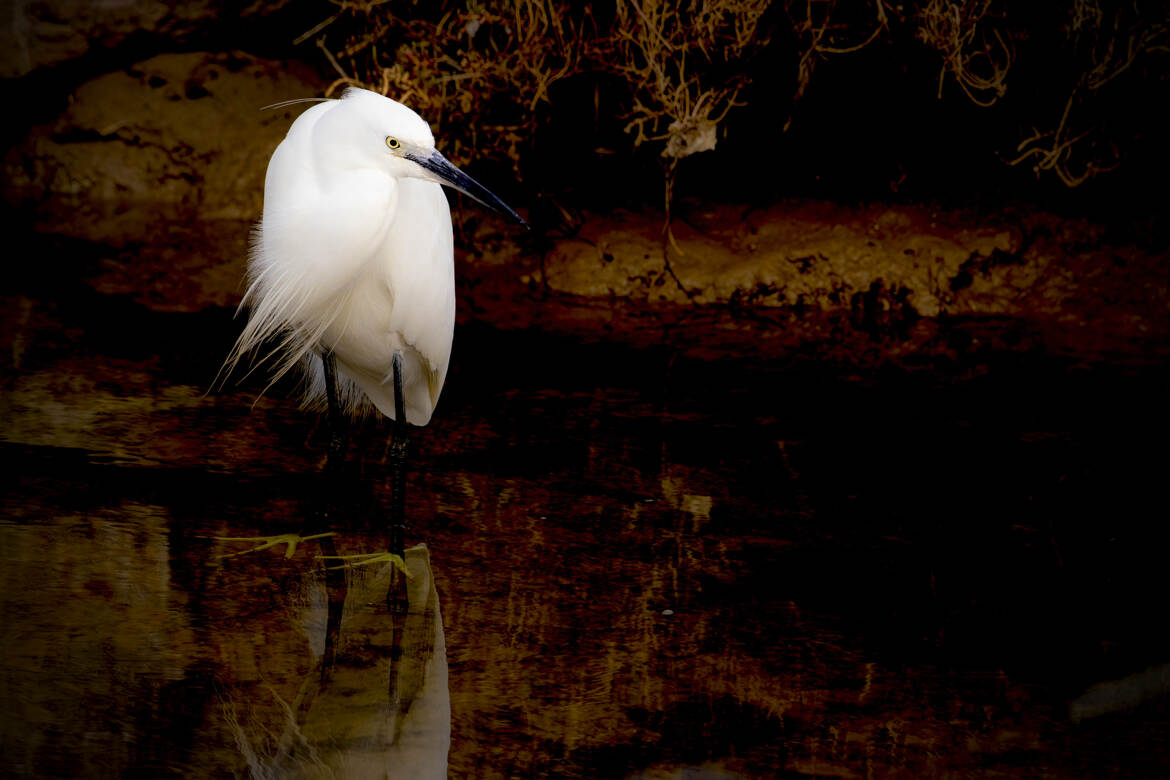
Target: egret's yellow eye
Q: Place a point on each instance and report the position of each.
(392, 142)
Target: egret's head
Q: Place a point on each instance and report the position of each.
(364, 130)
(387, 134)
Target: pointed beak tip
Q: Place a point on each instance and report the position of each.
(448, 174)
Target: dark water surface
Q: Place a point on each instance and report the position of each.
(647, 564)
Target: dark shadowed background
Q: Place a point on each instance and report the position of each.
(817, 427)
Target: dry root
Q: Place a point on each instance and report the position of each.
(481, 70)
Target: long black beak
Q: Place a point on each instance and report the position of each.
(449, 174)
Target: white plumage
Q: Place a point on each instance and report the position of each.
(354, 254)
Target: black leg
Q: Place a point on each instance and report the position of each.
(335, 584)
(318, 523)
(398, 456)
(338, 425)
(395, 596)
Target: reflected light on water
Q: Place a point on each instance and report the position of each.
(651, 571)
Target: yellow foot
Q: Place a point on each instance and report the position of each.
(365, 559)
(292, 540)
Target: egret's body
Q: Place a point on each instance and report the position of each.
(354, 255)
(353, 261)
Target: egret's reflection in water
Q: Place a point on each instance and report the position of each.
(374, 701)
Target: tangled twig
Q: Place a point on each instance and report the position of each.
(978, 64)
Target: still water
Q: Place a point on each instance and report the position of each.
(638, 563)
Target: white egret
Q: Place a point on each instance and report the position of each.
(352, 274)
